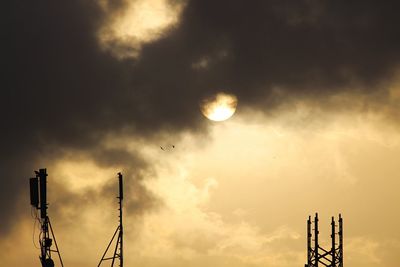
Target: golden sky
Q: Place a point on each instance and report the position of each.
(95, 88)
(239, 196)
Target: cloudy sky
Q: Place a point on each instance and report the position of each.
(94, 87)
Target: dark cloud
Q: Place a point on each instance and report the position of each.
(307, 46)
(60, 91)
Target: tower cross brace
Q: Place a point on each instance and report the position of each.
(316, 254)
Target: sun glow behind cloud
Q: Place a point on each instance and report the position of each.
(219, 107)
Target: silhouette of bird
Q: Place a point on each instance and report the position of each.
(168, 147)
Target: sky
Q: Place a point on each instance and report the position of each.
(94, 87)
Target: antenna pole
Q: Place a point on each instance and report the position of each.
(316, 245)
(309, 248)
(38, 190)
(118, 250)
(44, 243)
(121, 232)
(333, 239)
(340, 241)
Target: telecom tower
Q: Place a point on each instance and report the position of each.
(318, 256)
(38, 190)
(118, 251)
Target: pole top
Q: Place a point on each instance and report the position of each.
(121, 194)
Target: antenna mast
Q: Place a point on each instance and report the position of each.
(118, 251)
(38, 193)
(317, 255)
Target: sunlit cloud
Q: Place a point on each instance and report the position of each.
(138, 23)
(365, 249)
(80, 176)
(199, 221)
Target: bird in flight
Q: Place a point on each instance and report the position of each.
(164, 148)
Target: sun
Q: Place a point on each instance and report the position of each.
(219, 107)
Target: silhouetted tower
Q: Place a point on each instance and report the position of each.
(38, 190)
(318, 256)
(118, 251)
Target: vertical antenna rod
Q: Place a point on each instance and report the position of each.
(333, 239)
(340, 233)
(316, 245)
(309, 235)
(121, 196)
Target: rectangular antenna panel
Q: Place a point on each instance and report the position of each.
(34, 186)
(43, 192)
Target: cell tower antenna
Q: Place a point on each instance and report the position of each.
(317, 255)
(38, 193)
(118, 251)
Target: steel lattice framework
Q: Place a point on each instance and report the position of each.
(317, 255)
